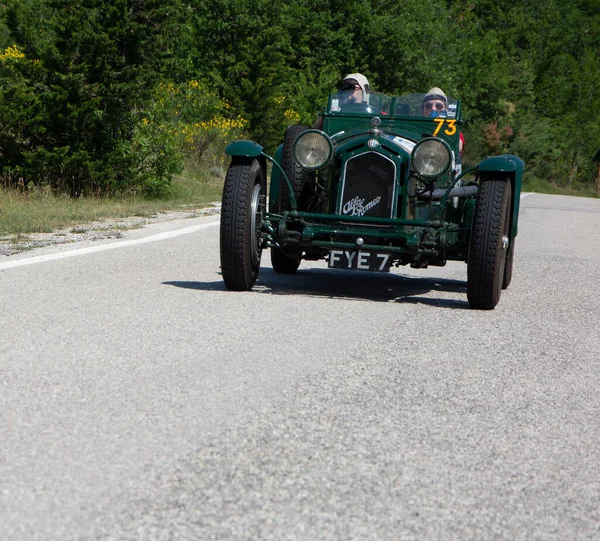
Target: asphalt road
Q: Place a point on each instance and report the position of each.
(140, 400)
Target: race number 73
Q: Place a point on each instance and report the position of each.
(450, 126)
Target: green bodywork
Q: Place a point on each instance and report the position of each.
(244, 149)
(513, 168)
(425, 228)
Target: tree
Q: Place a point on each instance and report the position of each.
(99, 70)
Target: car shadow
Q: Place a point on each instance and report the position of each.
(349, 285)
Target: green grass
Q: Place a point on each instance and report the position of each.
(534, 184)
(39, 211)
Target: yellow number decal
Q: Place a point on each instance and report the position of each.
(451, 127)
(450, 130)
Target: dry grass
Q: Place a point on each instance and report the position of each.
(39, 211)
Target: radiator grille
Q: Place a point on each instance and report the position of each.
(368, 186)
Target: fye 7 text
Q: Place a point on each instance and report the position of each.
(360, 260)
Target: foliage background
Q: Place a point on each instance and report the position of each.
(119, 95)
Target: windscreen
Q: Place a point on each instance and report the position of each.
(408, 105)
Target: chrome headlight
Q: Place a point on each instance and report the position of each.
(431, 157)
(313, 149)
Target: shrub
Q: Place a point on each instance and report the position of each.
(196, 118)
(69, 105)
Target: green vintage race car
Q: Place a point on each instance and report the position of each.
(380, 185)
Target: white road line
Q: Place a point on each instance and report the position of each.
(103, 247)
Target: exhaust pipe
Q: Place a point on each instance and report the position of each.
(461, 191)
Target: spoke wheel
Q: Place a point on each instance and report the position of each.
(241, 222)
(508, 267)
(255, 225)
(489, 244)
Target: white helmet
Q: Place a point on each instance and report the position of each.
(356, 79)
(435, 94)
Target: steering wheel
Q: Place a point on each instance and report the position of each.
(364, 108)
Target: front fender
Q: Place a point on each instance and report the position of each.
(504, 163)
(513, 168)
(248, 149)
(243, 149)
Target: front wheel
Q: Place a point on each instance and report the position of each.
(242, 209)
(508, 267)
(489, 244)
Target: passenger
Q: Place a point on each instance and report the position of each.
(435, 104)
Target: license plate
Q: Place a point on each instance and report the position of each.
(360, 260)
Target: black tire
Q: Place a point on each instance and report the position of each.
(488, 246)
(282, 263)
(508, 267)
(241, 218)
(298, 176)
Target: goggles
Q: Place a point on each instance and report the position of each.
(348, 85)
(439, 105)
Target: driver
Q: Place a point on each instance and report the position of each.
(357, 86)
(354, 88)
(435, 104)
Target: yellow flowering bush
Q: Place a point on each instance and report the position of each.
(277, 112)
(291, 116)
(14, 54)
(11, 53)
(9, 56)
(199, 120)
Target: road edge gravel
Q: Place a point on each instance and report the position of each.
(97, 230)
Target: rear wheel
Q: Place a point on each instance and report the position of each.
(283, 263)
(287, 263)
(298, 177)
(489, 244)
(242, 208)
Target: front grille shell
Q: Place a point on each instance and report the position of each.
(368, 186)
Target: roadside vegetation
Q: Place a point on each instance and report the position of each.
(38, 210)
(120, 107)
